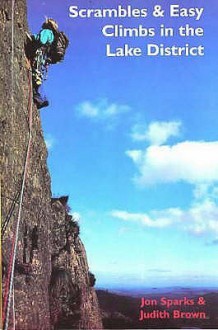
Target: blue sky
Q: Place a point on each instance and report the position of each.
(134, 143)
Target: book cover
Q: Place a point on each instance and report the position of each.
(131, 133)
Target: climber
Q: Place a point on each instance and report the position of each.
(47, 47)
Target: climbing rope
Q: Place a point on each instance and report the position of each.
(10, 278)
(14, 320)
(9, 283)
(12, 50)
(10, 212)
(0, 261)
(12, 93)
(12, 81)
(12, 100)
(15, 202)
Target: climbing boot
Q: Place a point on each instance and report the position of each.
(43, 104)
(39, 101)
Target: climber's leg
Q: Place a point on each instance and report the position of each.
(37, 79)
(40, 101)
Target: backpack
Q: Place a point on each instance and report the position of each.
(58, 48)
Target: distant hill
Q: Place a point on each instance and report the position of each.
(120, 311)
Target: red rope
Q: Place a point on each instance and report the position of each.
(30, 101)
(6, 295)
(8, 281)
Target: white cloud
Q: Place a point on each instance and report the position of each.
(49, 141)
(156, 133)
(189, 161)
(141, 218)
(193, 162)
(88, 110)
(76, 216)
(198, 219)
(101, 109)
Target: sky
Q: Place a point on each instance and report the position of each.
(133, 141)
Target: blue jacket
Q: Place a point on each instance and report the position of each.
(45, 36)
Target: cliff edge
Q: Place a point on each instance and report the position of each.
(52, 287)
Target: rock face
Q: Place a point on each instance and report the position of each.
(53, 288)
